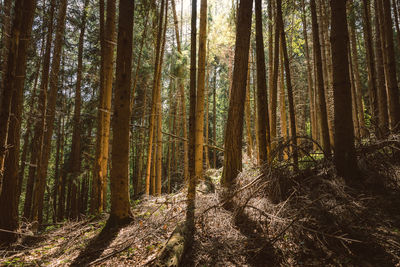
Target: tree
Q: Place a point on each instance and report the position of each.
(263, 135)
(99, 190)
(120, 208)
(76, 135)
(24, 11)
(323, 116)
(344, 156)
(234, 127)
(200, 94)
(390, 64)
(41, 175)
(155, 94)
(372, 87)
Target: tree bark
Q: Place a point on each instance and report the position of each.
(234, 127)
(344, 157)
(119, 183)
(14, 78)
(322, 110)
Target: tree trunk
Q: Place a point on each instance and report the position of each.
(234, 126)
(14, 79)
(288, 84)
(40, 186)
(76, 135)
(263, 134)
(247, 111)
(273, 76)
(356, 72)
(344, 157)
(107, 41)
(309, 76)
(381, 85)
(372, 87)
(155, 93)
(390, 65)
(119, 183)
(321, 107)
(200, 94)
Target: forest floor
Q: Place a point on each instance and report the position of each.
(318, 222)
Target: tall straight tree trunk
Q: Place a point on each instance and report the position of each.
(107, 40)
(191, 195)
(5, 47)
(356, 122)
(247, 111)
(234, 126)
(273, 57)
(159, 108)
(356, 71)
(40, 186)
(372, 87)
(207, 105)
(282, 99)
(381, 84)
(37, 141)
(14, 79)
(309, 75)
(181, 86)
(200, 94)
(119, 183)
(154, 100)
(263, 134)
(76, 135)
(215, 118)
(390, 65)
(321, 108)
(288, 83)
(344, 157)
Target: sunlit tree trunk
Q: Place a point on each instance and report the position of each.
(154, 101)
(234, 126)
(107, 40)
(181, 86)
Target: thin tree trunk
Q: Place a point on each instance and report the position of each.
(181, 86)
(40, 186)
(107, 40)
(372, 86)
(321, 108)
(381, 85)
(288, 84)
(76, 135)
(154, 102)
(390, 65)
